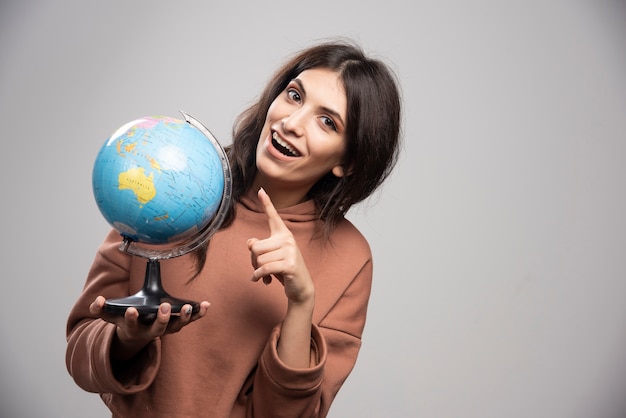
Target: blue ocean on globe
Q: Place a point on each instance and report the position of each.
(158, 180)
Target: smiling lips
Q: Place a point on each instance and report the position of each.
(283, 146)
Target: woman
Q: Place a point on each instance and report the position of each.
(323, 136)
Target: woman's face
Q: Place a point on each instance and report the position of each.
(304, 133)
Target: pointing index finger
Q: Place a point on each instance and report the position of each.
(274, 219)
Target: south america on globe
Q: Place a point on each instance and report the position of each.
(158, 180)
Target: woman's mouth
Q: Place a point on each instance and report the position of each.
(284, 147)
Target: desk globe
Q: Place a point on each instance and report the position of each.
(165, 185)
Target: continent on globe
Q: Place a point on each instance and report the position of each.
(135, 179)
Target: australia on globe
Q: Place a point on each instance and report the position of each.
(158, 180)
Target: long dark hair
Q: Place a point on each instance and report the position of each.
(372, 129)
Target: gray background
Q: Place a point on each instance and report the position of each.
(499, 241)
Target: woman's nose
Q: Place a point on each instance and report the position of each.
(294, 122)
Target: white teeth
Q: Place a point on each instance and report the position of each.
(284, 144)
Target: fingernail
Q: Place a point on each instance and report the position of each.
(189, 310)
(164, 309)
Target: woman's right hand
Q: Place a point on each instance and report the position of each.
(132, 334)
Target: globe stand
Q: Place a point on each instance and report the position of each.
(150, 297)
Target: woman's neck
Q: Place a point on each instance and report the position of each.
(281, 197)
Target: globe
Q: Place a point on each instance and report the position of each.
(158, 180)
(164, 184)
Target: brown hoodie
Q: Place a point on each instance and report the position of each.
(226, 364)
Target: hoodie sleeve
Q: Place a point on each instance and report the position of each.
(89, 338)
(281, 391)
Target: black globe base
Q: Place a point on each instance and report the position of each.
(149, 298)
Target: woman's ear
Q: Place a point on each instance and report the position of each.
(338, 171)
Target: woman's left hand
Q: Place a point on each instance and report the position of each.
(279, 256)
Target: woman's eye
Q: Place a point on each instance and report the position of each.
(293, 95)
(329, 122)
